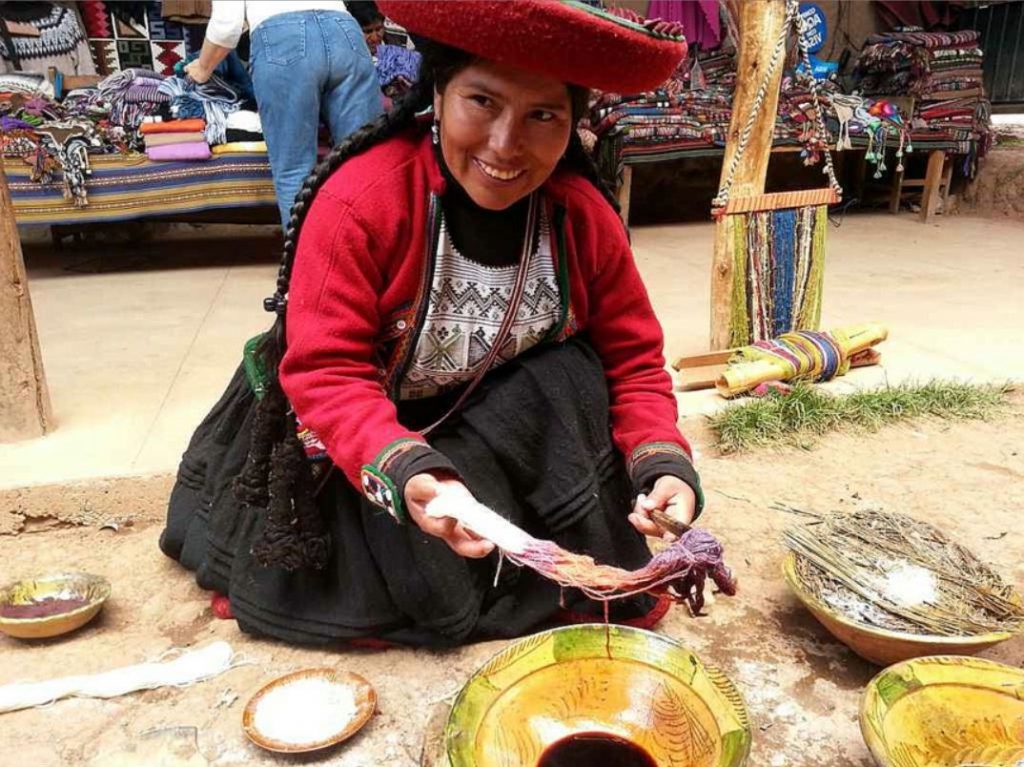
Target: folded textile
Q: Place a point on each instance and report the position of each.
(234, 136)
(244, 120)
(140, 91)
(173, 126)
(196, 150)
(239, 147)
(214, 100)
(395, 61)
(162, 139)
(26, 82)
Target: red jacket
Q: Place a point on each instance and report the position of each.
(359, 284)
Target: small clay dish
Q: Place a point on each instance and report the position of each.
(79, 594)
(363, 694)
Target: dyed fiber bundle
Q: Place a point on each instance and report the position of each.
(801, 355)
(894, 572)
(679, 571)
(779, 270)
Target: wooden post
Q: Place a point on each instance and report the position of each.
(760, 24)
(932, 183)
(25, 410)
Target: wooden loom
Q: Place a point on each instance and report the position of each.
(769, 248)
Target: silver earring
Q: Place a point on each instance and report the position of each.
(435, 132)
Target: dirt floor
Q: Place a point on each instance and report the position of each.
(803, 688)
(998, 190)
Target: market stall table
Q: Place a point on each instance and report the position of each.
(125, 187)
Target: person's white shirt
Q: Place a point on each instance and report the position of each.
(228, 18)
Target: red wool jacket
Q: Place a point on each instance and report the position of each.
(360, 280)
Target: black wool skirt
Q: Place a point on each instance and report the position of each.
(533, 443)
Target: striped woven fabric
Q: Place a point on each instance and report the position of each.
(130, 186)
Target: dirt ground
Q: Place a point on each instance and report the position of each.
(802, 687)
(998, 190)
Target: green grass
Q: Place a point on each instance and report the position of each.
(800, 418)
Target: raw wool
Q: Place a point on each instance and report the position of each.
(855, 607)
(307, 710)
(909, 585)
(679, 571)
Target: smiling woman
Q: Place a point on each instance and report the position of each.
(502, 131)
(458, 310)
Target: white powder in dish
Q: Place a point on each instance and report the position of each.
(306, 710)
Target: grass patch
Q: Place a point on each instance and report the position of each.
(801, 417)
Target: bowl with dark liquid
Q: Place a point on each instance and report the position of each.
(39, 608)
(598, 696)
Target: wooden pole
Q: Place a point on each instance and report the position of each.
(25, 410)
(760, 24)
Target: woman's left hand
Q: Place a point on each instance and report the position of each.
(670, 495)
(198, 72)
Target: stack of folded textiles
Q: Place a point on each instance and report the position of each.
(943, 70)
(244, 133)
(176, 140)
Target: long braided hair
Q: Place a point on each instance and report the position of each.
(277, 475)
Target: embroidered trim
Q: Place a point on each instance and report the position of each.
(397, 447)
(381, 491)
(406, 346)
(648, 449)
(315, 449)
(255, 370)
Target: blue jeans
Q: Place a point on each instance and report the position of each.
(307, 65)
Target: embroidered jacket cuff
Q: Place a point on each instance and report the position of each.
(383, 482)
(656, 459)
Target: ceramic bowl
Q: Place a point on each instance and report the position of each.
(881, 646)
(362, 691)
(617, 682)
(94, 589)
(945, 711)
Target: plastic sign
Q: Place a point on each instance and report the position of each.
(815, 29)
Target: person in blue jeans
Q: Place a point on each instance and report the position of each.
(309, 61)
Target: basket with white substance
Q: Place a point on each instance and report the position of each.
(892, 587)
(308, 710)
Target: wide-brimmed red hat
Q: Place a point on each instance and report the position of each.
(567, 40)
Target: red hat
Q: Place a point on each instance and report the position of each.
(564, 39)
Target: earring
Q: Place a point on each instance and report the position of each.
(435, 132)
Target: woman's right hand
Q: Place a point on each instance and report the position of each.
(420, 490)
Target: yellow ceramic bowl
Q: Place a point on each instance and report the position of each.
(882, 646)
(94, 589)
(945, 711)
(618, 682)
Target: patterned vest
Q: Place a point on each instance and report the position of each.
(468, 302)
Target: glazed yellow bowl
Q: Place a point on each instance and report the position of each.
(94, 589)
(945, 711)
(881, 646)
(617, 682)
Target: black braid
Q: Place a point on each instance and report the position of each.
(580, 160)
(277, 476)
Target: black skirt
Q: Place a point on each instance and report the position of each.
(533, 443)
